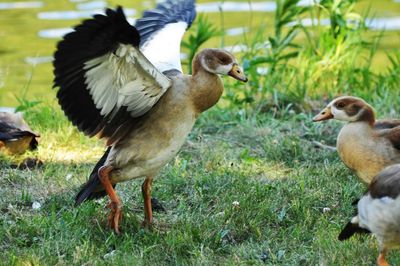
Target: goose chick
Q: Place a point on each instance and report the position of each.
(379, 212)
(365, 145)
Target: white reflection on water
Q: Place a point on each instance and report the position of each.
(267, 6)
(35, 60)
(73, 14)
(60, 32)
(54, 33)
(374, 23)
(236, 31)
(16, 5)
(384, 23)
(92, 5)
(236, 7)
(236, 48)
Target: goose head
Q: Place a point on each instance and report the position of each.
(347, 108)
(218, 61)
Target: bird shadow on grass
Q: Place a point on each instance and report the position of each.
(48, 193)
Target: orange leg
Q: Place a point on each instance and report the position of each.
(146, 191)
(381, 261)
(115, 214)
(2, 144)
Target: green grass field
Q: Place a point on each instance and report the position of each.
(280, 179)
(249, 187)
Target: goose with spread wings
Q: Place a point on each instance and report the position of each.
(125, 84)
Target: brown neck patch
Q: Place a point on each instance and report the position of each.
(367, 115)
(206, 88)
(196, 65)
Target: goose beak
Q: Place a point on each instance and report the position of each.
(237, 73)
(325, 114)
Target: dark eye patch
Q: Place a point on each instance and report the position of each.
(340, 105)
(353, 109)
(223, 58)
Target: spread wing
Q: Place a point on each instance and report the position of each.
(161, 31)
(103, 78)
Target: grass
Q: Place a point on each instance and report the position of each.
(248, 187)
(280, 179)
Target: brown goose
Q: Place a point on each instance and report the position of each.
(125, 84)
(15, 135)
(365, 145)
(379, 212)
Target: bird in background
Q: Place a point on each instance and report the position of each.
(16, 136)
(364, 144)
(378, 212)
(125, 84)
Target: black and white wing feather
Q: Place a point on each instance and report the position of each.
(104, 79)
(161, 31)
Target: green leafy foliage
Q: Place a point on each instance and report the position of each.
(25, 104)
(202, 31)
(278, 47)
(340, 13)
(332, 60)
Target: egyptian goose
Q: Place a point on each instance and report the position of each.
(365, 145)
(379, 212)
(125, 84)
(15, 135)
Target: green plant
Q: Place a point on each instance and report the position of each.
(334, 58)
(272, 57)
(202, 31)
(281, 46)
(341, 12)
(23, 103)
